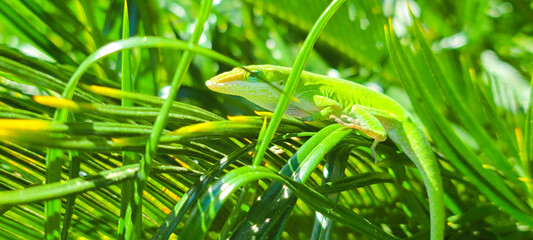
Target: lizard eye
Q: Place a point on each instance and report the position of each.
(254, 75)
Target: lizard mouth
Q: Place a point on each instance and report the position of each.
(220, 81)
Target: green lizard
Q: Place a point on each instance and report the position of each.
(352, 105)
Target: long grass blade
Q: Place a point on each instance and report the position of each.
(161, 121)
(129, 225)
(211, 201)
(294, 77)
(299, 168)
(187, 201)
(79, 185)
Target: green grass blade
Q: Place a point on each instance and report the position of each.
(44, 134)
(79, 185)
(52, 208)
(130, 211)
(294, 77)
(187, 201)
(155, 101)
(74, 170)
(470, 55)
(54, 165)
(132, 43)
(161, 121)
(126, 79)
(209, 205)
(333, 171)
(299, 168)
(527, 152)
(247, 195)
(188, 115)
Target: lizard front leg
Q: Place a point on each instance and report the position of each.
(359, 118)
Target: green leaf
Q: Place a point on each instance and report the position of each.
(209, 204)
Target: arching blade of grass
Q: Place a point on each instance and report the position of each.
(128, 158)
(211, 201)
(187, 201)
(275, 199)
(134, 42)
(247, 193)
(127, 44)
(162, 118)
(264, 218)
(292, 80)
(53, 164)
(294, 77)
(333, 171)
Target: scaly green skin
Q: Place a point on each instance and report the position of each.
(320, 97)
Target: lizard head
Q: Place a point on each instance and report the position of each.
(241, 80)
(261, 84)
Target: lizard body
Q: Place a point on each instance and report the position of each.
(320, 97)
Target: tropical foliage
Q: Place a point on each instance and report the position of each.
(97, 142)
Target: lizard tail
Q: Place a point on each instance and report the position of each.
(415, 145)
